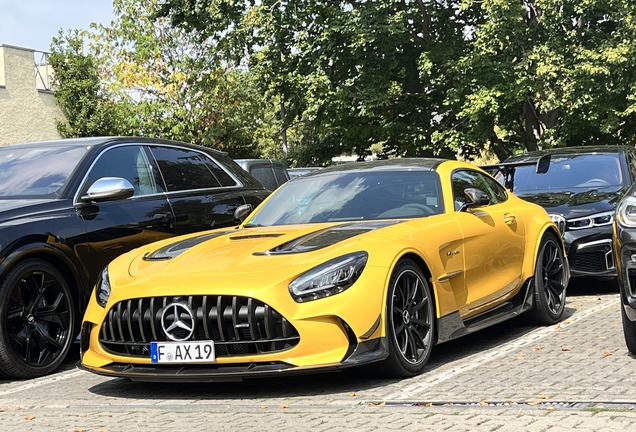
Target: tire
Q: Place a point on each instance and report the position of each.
(410, 322)
(549, 282)
(629, 330)
(37, 320)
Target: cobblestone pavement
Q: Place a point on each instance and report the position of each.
(512, 377)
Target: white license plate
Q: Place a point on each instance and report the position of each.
(182, 352)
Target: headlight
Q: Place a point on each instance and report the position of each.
(595, 220)
(330, 278)
(102, 289)
(626, 212)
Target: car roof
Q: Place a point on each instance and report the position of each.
(99, 141)
(400, 164)
(564, 151)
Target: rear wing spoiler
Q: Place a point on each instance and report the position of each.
(542, 165)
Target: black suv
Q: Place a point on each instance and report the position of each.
(579, 187)
(68, 207)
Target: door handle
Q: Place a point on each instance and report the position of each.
(162, 217)
(509, 218)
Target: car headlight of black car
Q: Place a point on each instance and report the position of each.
(626, 212)
(329, 278)
(102, 289)
(595, 220)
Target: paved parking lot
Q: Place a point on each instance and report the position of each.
(576, 375)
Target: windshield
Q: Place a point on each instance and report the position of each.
(590, 171)
(31, 172)
(352, 195)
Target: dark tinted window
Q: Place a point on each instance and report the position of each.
(184, 169)
(265, 175)
(130, 162)
(30, 172)
(218, 172)
(567, 172)
(472, 179)
(280, 175)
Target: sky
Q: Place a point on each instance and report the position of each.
(33, 23)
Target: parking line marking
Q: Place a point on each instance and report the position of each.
(43, 381)
(476, 360)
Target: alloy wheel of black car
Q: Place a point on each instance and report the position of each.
(410, 321)
(549, 282)
(37, 319)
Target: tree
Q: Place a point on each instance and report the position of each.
(79, 91)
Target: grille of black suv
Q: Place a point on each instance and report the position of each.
(592, 262)
(244, 325)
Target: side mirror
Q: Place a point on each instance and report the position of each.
(475, 198)
(242, 212)
(109, 189)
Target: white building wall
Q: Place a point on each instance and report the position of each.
(26, 112)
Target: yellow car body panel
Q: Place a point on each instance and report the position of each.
(474, 260)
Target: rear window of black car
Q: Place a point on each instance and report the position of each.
(36, 172)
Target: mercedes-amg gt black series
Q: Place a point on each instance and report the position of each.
(579, 187)
(68, 207)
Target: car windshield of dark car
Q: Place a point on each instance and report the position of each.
(589, 171)
(36, 172)
(352, 195)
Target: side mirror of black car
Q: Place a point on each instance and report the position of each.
(109, 189)
(543, 164)
(242, 212)
(475, 198)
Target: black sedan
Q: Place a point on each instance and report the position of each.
(68, 207)
(579, 187)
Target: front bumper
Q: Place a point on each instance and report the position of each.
(363, 353)
(590, 252)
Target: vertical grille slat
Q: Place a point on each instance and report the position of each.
(153, 314)
(220, 312)
(206, 323)
(235, 318)
(140, 319)
(238, 325)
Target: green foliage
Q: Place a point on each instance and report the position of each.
(78, 90)
(306, 80)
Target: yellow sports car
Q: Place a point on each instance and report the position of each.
(370, 262)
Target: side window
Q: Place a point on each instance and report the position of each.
(130, 162)
(280, 175)
(223, 177)
(462, 180)
(632, 165)
(184, 169)
(265, 175)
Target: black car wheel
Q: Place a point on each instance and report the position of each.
(37, 320)
(629, 329)
(409, 321)
(549, 282)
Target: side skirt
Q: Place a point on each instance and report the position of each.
(452, 326)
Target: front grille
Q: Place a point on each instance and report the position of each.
(591, 262)
(237, 325)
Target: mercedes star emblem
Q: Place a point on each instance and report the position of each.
(177, 321)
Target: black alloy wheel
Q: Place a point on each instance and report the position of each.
(410, 321)
(549, 282)
(37, 319)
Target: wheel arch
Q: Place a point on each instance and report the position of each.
(421, 264)
(58, 259)
(555, 232)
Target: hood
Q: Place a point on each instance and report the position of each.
(572, 204)
(252, 250)
(16, 208)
